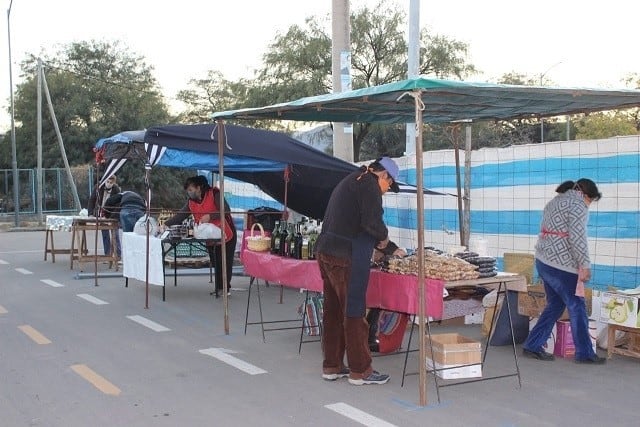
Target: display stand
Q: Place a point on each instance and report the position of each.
(262, 322)
(79, 250)
(55, 223)
(134, 257)
(503, 281)
(632, 347)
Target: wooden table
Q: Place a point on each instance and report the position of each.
(79, 250)
(633, 346)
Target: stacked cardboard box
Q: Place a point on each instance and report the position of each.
(532, 302)
(455, 356)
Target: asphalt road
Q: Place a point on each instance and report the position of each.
(73, 354)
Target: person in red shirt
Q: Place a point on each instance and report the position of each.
(203, 204)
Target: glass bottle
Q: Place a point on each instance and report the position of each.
(298, 242)
(275, 238)
(283, 238)
(289, 242)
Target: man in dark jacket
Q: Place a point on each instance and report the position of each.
(128, 207)
(352, 227)
(96, 208)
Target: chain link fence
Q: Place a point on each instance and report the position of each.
(57, 194)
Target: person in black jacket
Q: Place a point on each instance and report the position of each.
(128, 207)
(351, 228)
(95, 208)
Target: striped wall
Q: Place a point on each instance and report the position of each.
(509, 188)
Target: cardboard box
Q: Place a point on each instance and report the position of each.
(619, 309)
(455, 349)
(456, 372)
(564, 346)
(532, 302)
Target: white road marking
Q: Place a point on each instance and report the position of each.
(92, 299)
(23, 271)
(3, 262)
(357, 415)
(222, 354)
(148, 323)
(52, 283)
(21, 252)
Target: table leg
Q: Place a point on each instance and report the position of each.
(611, 340)
(73, 246)
(46, 244)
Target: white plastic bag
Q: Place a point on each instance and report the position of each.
(141, 226)
(207, 231)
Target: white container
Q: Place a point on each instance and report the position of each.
(456, 372)
(479, 246)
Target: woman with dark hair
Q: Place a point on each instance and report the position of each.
(562, 261)
(203, 204)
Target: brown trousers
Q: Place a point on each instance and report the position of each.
(340, 333)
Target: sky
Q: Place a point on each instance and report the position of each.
(573, 43)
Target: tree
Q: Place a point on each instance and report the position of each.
(604, 125)
(97, 89)
(298, 64)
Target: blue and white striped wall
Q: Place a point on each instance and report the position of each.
(509, 188)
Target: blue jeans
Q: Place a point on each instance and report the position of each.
(560, 287)
(106, 242)
(129, 217)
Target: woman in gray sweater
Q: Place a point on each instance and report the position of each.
(562, 260)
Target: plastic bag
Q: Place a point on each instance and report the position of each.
(207, 231)
(141, 226)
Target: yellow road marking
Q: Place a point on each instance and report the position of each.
(34, 335)
(97, 380)
(3, 310)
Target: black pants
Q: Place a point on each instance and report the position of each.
(216, 254)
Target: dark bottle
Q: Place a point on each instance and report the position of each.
(283, 238)
(275, 238)
(298, 244)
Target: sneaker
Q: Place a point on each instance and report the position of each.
(593, 360)
(344, 372)
(374, 378)
(540, 355)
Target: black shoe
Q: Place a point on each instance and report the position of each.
(593, 360)
(540, 355)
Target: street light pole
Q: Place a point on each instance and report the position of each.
(541, 119)
(14, 157)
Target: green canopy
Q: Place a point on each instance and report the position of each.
(444, 101)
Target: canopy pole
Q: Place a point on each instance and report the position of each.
(422, 362)
(223, 252)
(456, 148)
(147, 184)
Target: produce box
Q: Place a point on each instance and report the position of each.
(619, 309)
(532, 302)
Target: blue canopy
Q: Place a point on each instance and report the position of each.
(255, 156)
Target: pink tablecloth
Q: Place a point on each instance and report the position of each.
(387, 291)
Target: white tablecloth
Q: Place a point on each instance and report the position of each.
(61, 222)
(134, 255)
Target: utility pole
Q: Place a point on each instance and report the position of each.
(341, 74)
(39, 181)
(541, 119)
(14, 156)
(413, 66)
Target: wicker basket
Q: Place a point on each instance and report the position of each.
(259, 243)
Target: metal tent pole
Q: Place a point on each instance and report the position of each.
(422, 362)
(223, 251)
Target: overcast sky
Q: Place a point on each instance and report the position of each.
(591, 44)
